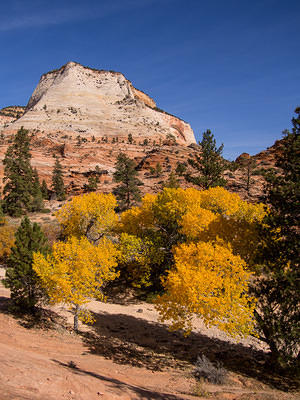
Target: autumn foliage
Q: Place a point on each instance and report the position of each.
(7, 240)
(91, 215)
(196, 247)
(76, 269)
(204, 242)
(211, 282)
(75, 272)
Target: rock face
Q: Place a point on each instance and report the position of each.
(84, 117)
(10, 114)
(77, 100)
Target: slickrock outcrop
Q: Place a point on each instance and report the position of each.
(84, 117)
(9, 115)
(77, 100)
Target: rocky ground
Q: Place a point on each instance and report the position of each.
(126, 354)
(98, 158)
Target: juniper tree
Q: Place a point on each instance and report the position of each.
(278, 286)
(2, 217)
(20, 278)
(17, 175)
(208, 164)
(127, 192)
(58, 186)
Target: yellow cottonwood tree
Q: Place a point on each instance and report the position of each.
(7, 240)
(91, 215)
(204, 241)
(188, 215)
(224, 217)
(75, 271)
(211, 282)
(135, 258)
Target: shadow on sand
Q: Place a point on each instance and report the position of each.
(130, 340)
(134, 341)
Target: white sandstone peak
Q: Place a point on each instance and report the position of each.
(85, 101)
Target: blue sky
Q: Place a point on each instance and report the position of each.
(229, 66)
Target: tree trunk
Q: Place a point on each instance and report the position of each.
(76, 318)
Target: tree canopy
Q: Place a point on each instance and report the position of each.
(127, 191)
(20, 278)
(201, 244)
(91, 215)
(58, 186)
(208, 164)
(278, 285)
(18, 176)
(75, 271)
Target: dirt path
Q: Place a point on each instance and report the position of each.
(127, 354)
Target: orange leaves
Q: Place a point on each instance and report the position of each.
(212, 235)
(208, 280)
(195, 221)
(7, 240)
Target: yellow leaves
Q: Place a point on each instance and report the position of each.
(91, 215)
(218, 215)
(219, 201)
(208, 280)
(170, 205)
(137, 255)
(135, 220)
(7, 240)
(195, 221)
(211, 233)
(76, 270)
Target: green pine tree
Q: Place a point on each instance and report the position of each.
(58, 186)
(127, 192)
(249, 169)
(278, 286)
(209, 164)
(180, 169)
(18, 173)
(20, 278)
(37, 203)
(157, 171)
(172, 182)
(92, 183)
(44, 189)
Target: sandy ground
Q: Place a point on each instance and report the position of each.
(126, 354)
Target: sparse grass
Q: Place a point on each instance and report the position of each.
(206, 370)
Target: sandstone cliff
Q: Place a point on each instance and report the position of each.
(84, 116)
(82, 101)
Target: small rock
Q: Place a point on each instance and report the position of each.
(140, 310)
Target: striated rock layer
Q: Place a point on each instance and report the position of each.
(84, 116)
(81, 101)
